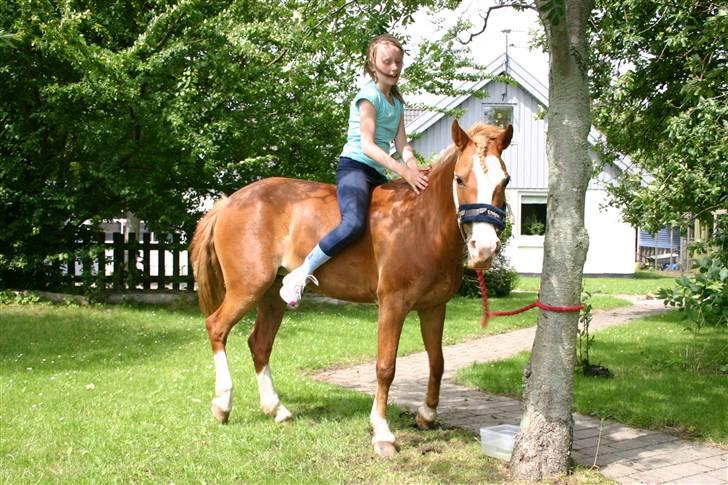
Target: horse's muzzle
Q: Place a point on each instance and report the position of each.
(479, 265)
(480, 256)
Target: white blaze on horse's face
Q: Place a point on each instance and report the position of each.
(479, 181)
(484, 243)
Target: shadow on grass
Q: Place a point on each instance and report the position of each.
(337, 405)
(440, 455)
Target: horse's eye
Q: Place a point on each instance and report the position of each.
(460, 180)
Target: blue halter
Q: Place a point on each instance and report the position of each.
(469, 213)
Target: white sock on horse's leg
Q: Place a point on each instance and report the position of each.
(380, 426)
(270, 403)
(223, 383)
(427, 413)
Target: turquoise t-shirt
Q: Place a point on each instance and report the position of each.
(388, 116)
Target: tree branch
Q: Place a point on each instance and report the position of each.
(516, 5)
(176, 14)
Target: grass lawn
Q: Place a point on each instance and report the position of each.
(653, 387)
(122, 394)
(643, 283)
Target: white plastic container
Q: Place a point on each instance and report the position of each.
(497, 441)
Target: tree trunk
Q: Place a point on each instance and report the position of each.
(543, 446)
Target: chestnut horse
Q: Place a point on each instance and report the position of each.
(409, 258)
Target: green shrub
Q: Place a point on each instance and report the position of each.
(500, 279)
(18, 298)
(704, 297)
(533, 227)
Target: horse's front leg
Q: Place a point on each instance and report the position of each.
(391, 318)
(432, 321)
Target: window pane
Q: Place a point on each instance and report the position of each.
(499, 115)
(533, 219)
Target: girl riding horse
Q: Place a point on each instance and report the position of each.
(376, 118)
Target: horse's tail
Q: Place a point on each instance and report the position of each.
(205, 264)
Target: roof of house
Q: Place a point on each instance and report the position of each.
(503, 64)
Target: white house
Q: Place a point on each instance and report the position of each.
(611, 242)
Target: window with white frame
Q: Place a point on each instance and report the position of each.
(498, 114)
(532, 215)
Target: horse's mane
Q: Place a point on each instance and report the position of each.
(480, 133)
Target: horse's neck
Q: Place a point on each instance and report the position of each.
(438, 207)
(439, 191)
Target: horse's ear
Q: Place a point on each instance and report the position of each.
(459, 137)
(504, 139)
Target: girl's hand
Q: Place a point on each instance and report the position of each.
(416, 179)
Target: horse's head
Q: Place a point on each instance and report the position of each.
(479, 189)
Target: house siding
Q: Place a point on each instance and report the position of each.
(525, 158)
(661, 240)
(612, 242)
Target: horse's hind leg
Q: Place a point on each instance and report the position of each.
(431, 324)
(270, 313)
(218, 326)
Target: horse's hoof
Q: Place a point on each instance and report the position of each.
(221, 415)
(283, 415)
(384, 449)
(422, 423)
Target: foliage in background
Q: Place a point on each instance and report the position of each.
(500, 279)
(717, 245)
(660, 70)
(18, 298)
(659, 81)
(703, 296)
(533, 227)
(154, 107)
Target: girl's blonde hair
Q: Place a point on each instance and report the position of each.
(371, 53)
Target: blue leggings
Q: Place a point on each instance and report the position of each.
(355, 182)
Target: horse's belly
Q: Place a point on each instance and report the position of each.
(350, 275)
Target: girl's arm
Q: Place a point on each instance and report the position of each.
(368, 125)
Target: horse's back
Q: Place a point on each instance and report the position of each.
(275, 219)
(283, 193)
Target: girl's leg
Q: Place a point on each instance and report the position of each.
(353, 191)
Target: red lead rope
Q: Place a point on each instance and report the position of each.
(487, 314)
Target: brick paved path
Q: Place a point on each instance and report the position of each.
(627, 455)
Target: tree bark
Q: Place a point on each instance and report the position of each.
(543, 446)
